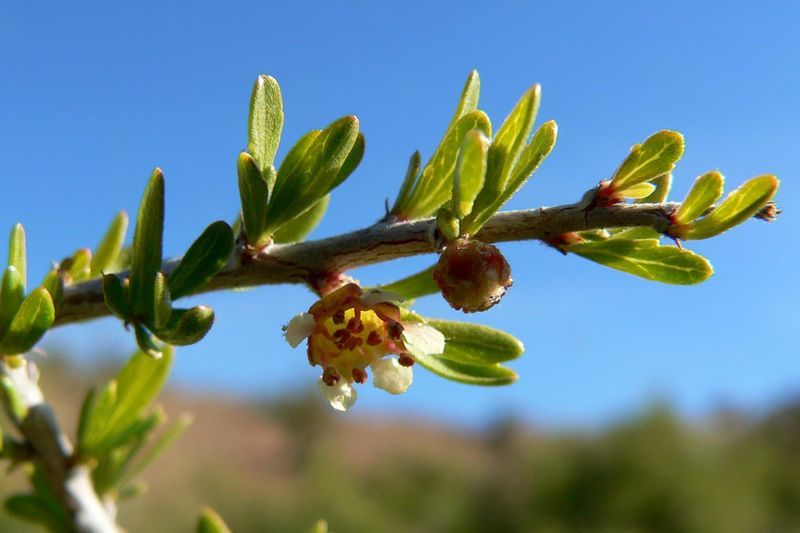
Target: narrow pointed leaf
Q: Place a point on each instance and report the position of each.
(351, 163)
(17, 255)
(205, 257)
(188, 326)
(169, 436)
(646, 259)
(657, 155)
(297, 229)
(739, 206)
(409, 183)
(706, 190)
(147, 241)
(490, 200)
(486, 375)
(115, 297)
(476, 344)
(33, 319)
(470, 172)
(146, 342)
(448, 224)
(97, 410)
(54, 283)
(106, 253)
(414, 286)
(663, 185)
(36, 509)
(12, 294)
(162, 302)
(254, 194)
(265, 122)
(510, 139)
(468, 101)
(314, 175)
(435, 185)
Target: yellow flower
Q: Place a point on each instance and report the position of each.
(351, 330)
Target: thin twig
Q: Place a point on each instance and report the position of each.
(302, 262)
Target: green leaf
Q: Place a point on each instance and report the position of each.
(435, 185)
(490, 200)
(448, 224)
(110, 246)
(739, 206)
(54, 283)
(487, 375)
(415, 285)
(254, 193)
(139, 383)
(147, 245)
(409, 183)
(188, 326)
(33, 319)
(351, 162)
(469, 97)
(163, 442)
(509, 141)
(296, 153)
(78, 267)
(656, 156)
(211, 522)
(646, 259)
(17, 256)
(314, 175)
(475, 344)
(470, 172)
(320, 526)
(706, 190)
(205, 257)
(115, 296)
(162, 302)
(146, 342)
(34, 508)
(12, 294)
(297, 229)
(640, 190)
(265, 122)
(663, 185)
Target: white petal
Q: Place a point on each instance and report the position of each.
(299, 328)
(391, 376)
(422, 339)
(341, 396)
(375, 296)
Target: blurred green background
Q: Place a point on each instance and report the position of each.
(278, 466)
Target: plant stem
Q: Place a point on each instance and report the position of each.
(305, 261)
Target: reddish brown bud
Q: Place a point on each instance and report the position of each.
(472, 275)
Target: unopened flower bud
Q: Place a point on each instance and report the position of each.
(472, 275)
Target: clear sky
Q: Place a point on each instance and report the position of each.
(94, 95)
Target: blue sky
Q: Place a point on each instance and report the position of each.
(94, 96)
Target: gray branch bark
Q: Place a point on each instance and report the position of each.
(53, 451)
(303, 262)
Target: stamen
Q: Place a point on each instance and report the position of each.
(359, 375)
(395, 329)
(338, 317)
(374, 338)
(355, 325)
(330, 377)
(405, 359)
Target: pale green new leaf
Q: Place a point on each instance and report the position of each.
(110, 246)
(706, 190)
(739, 206)
(657, 155)
(415, 285)
(31, 322)
(211, 522)
(470, 172)
(352, 161)
(476, 344)
(510, 139)
(162, 302)
(646, 259)
(435, 185)
(265, 122)
(298, 229)
(469, 97)
(17, 255)
(12, 294)
(79, 265)
(170, 435)
(487, 375)
(409, 182)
